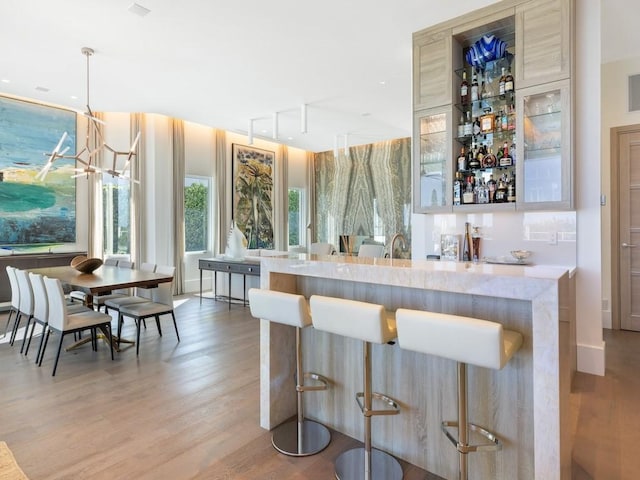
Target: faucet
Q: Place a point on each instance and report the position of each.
(394, 239)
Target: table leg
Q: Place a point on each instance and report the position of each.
(244, 290)
(215, 285)
(229, 291)
(200, 286)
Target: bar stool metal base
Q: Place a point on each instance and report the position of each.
(315, 438)
(351, 466)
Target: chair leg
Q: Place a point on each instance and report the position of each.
(6, 327)
(44, 347)
(120, 322)
(175, 324)
(26, 333)
(463, 427)
(138, 336)
(110, 339)
(33, 327)
(55, 365)
(44, 332)
(16, 325)
(158, 324)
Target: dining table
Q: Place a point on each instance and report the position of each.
(103, 280)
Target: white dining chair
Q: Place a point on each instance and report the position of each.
(26, 305)
(100, 300)
(64, 322)
(141, 294)
(320, 248)
(161, 304)
(79, 295)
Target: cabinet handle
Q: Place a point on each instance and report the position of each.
(628, 245)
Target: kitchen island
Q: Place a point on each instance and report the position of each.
(526, 404)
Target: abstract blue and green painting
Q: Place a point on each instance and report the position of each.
(33, 212)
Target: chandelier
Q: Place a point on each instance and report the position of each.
(86, 156)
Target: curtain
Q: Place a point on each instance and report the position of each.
(222, 204)
(281, 200)
(95, 228)
(136, 206)
(177, 127)
(311, 201)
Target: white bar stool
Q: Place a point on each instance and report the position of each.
(467, 341)
(301, 437)
(371, 324)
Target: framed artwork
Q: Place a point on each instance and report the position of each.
(34, 213)
(252, 173)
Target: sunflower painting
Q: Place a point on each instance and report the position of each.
(253, 194)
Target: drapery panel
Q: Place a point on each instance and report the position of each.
(177, 127)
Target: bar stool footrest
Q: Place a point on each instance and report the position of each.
(394, 408)
(322, 383)
(495, 444)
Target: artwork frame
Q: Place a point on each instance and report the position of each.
(252, 204)
(450, 247)
(35, 214)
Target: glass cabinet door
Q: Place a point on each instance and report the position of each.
(544, 145)
(432, 173)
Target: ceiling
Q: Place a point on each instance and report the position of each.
(226, 63)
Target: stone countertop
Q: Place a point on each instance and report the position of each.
(524, 282)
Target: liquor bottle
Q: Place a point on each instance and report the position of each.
(457, 189)
(498, 122)
(491, 185)
(476, 127)
(479, 156)
(487, 121)
(474, 87)
(461, 126)
(489, 160)
(511, 189)
(513, 150)
(501, 191)
(505, 158)
(466, 245)
(462, 160)
(482, 192)
(464, 89)
(502, 84)
(509, 85)
(511, 120)
(468, 126)
(467, 195)
(475, 240)
(471, 156)
(504, 121)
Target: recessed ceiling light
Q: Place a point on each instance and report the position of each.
(365, 114)
(289, 138)
(263, 131)
(382, 82)
(42, 89)
(6, 80)
(74, 97)
(139, 10)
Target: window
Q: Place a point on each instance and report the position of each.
(116, 194)
(296, 217)
(196, 214)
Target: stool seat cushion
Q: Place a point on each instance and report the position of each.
(463, 339)
(280, 307)
(350, 318)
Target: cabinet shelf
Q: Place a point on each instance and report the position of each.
(491, 101)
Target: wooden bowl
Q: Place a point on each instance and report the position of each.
(84, 264)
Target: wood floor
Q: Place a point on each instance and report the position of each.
(189, 410)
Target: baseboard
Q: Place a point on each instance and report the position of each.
(606, 319)
(591, 359)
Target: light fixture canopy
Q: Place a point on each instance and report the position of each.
(86, 156)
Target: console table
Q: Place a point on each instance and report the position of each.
(242, 267)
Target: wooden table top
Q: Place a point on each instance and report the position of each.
(105, 278)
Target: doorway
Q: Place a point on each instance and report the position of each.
(625, 231)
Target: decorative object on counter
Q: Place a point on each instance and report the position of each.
(505, 260)
(450, 247)
(466, 245)
(84, 264)
(520, 255)
(475, 239)
(488, 48)
(236, 243)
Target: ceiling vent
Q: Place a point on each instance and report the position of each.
(634, 93)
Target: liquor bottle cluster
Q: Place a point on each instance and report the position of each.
(485, 167)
